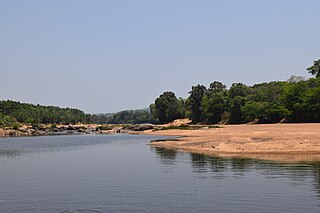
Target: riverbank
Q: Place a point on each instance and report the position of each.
(41, 130)
(277, 142)
(26, 130)
(280, 142)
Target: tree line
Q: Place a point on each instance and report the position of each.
(138, 116)
(13, 112)
(294, 100)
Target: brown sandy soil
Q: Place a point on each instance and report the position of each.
(177, 122)
(280, 142)
(2, 133)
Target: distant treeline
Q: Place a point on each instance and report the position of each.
(138, 116)
(294, 100)
(12, 112)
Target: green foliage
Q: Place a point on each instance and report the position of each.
(263, 111)
(35, 114)
(15, 126)
(238, 89)
(312, 104)
(295, 79)
(194, 103)
(315, 69)
(7, 121)
(294, 100)
(235, 109)
(213, 105)
(167, 108)
(217, 86)
(131, 117)
(267, 92)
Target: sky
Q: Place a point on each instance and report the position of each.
(107, 56)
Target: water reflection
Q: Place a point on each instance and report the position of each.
(166, 156)
(206, 166)
(219, 167)
(316, 173)
(9, 153)
(120, 173)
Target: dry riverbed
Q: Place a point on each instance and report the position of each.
(280, 142)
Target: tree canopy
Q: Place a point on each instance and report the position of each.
(167, 108)
(294, 100)
(35, 114)
(315, 68)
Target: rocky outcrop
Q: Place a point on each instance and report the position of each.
(139, 127)
(75, 129)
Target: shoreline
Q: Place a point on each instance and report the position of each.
(298, 142)
(276, 142)
(45, 129)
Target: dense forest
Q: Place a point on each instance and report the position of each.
(13, 112)
(294, 100)
(138, 116)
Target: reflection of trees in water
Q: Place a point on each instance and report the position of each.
(199, 163)
(167, 156)
(241, 165)
(9, 153)
(203, 163)
(296, 173)
(217, 166)
(316, 173)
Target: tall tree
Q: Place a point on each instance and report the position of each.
(235, 110)
(213, 105)
(217, 86)
(238, 89)
(194, 102)
(315, 69)
(167, 108)
(214, 102)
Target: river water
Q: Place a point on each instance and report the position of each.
(121, 173)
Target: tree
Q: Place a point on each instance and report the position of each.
(213, 105)
(167, 108)
(235, 110)
(267, 92)
(296, 78)
(263, 111)
(217, 86)
(194, 102)
(315, 69)
(311, 105)
(293, 97)
(238, 89)
(35, 114)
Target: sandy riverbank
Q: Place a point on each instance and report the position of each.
(280, 142)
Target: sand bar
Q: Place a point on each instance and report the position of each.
(279, 142)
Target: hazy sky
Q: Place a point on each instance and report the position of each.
(106, 56)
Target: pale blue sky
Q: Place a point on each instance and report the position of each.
(106, 56)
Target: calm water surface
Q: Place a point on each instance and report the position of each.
(120, 173)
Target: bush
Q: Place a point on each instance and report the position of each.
(15, 126)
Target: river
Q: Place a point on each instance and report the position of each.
(121, 173)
